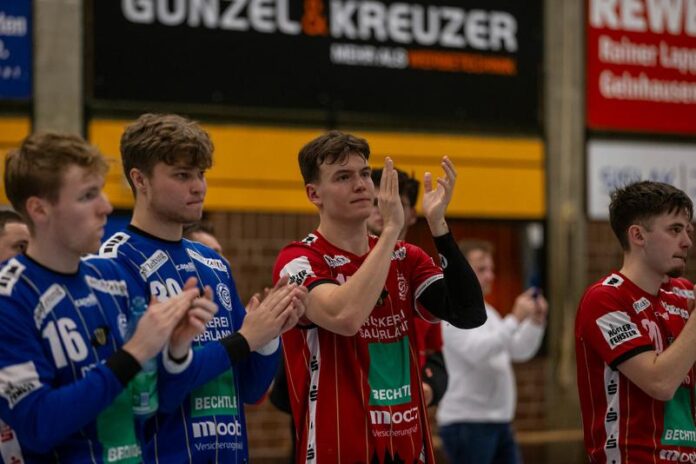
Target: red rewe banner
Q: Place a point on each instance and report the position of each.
(641, 65)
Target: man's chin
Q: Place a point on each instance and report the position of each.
(675, 272)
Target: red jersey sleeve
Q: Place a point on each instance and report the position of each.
(607, 323)
(304, 266)
(423, 271)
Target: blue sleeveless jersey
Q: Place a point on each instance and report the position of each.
(56, 330)
(201, 415)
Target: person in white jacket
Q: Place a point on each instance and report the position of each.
(476, 412)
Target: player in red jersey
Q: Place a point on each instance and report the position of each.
(353, 372)
(634, 340)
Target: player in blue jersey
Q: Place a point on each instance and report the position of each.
(202, 420)
(64, 366)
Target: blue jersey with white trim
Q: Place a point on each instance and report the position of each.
(200, 417)
(63, 402)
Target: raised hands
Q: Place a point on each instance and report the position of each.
(157, 324)
(389, 201)
(436, 200)
(277, 312)
(530, 304)
(193, 323)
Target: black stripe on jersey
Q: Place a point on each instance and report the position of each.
(629, 354)
(319, 282)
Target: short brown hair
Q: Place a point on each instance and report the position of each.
(36, 168)
(332, 147)
(639, 202)
(167, 138)
(467, 246)
(7, 216)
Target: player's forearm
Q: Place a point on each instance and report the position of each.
(660, 374)
(346, 307)
(51, 415)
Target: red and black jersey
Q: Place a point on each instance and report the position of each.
(617, 320)
(358, 399)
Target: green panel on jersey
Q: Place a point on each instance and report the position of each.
(679, 428)
(144, 392)
(116, 431)
(216, 398)
(390, 373)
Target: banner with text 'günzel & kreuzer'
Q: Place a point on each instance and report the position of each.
(475, 61)
(641, 65)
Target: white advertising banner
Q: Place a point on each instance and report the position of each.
(613, 163)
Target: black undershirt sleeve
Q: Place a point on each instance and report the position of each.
(457, 298)
(123, 365)
(435, 375)
(236, 346)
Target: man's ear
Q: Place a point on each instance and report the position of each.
(313, 194)
(38, 209)
(138, 179)
(636, 235)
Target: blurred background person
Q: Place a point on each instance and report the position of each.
(14, 234)
(476, 412)
(204, 234)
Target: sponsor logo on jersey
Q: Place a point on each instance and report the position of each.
(403, 286)
(110, 248)
(677, 456)
(443, 261)
(216, 264)
(118, 453)
(675, 310)
(9, 275)
(613, 281)
(391, 417)
(89, 300)
(187, 267)
(641, 305)
(309, 239)
(684, 293)
(153, 263)
(211, 429)
(18, 381)
(297, 270)
(224, 295)
(47, 301)
(392, 394)
(617, 328)
(336, 261)
(399, 254)
(390, 373)
(111, 287)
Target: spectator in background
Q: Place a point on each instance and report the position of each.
(204, 234)
(476, 412)
(428, 334)
(14, 234)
